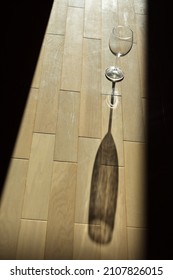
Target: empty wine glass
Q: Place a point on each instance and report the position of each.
(120, 43)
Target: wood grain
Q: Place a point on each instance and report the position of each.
(90, 109)
(137, 243)
(39, 176)
(66, 141)
(57, 21)
(135, 182)
(140, 7)
(131, 98)
(86, 156)
(92, 19)
(142, 51)
(77, 3)
(84, 248)
(47, 108)
(31, 241)
(72, 57)
(24, 137)
(117, 248)
(11, 208)
(38, 69)
(60, 229)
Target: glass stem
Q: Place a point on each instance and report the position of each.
(117, 60)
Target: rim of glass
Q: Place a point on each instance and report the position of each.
(122, 26)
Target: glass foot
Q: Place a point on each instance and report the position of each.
(114, 74)
(112, 101)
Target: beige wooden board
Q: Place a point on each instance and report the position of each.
(137, 243)
(77, 3)
(31, 242)
(140, 6)
(66, 141)
(39, 176)
(135, 183)
(109, 20)
(57, 21)
(38, 68)
(126, 15)
(60, 229)
(116, 127)
(72, 58)
(84, 248)
(11, 208)
(86, 157)
(92, 20)
(109, 6)
(24, 138)
(145, 115)
(90, 109)
(131, 98)
(46, 114)
(142, 51)
(116, 249)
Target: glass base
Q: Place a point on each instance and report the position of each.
(114, 74)
(112, 102)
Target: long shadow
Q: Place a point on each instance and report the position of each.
(22, 31)
(104, 189)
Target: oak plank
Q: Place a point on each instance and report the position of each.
(24, 138)
(72, 57)
(141, 29)
(92, 19)
(66, 140)
(11, 207)
(77, 3)
(84, 248)
(137, 243)
(31, 242)
(46, 114)
(38, 69)
(141, 6)
(57, 20)
(86, 155)
(131, 98)
(90, 109)
(116, 249)
(60, 228)
(39, 176)
(135, 183)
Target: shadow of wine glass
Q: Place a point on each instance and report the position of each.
(104, 189)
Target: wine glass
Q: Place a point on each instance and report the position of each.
(120, 43)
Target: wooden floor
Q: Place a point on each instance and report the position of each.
(45, 204)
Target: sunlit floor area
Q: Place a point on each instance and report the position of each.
(58, 187)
